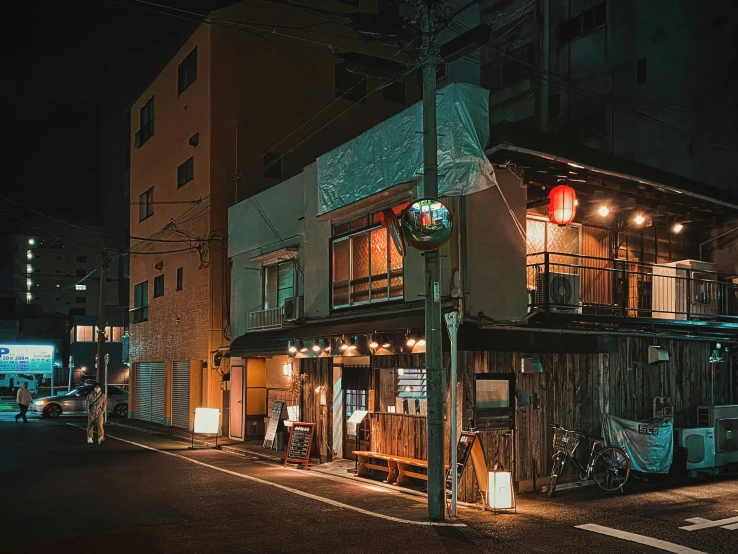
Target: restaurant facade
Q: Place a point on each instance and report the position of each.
(628, 307)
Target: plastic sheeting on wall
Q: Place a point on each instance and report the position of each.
(649, 443)
(392, 152)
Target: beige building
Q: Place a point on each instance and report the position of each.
(239, 108)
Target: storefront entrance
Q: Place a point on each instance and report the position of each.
(355, 384)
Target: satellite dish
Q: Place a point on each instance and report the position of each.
(426, 225)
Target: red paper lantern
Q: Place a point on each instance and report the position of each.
(563, 205)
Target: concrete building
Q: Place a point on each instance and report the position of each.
(647, 81)
(83, 349)
(561, 322)
(234, 112)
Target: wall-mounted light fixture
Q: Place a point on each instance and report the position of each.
(287, 369)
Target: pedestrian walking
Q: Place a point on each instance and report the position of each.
(24, 399)
(96, 405)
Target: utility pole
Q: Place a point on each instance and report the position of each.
(102, 368)
(433, 357)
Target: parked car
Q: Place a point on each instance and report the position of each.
(75, 402)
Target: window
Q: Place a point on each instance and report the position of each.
(494, 395)
(179, 278)
(141, 302)
(146, 122)
(366, 268)
(158, 286)
(146, 204)
(85, 333)
(411, 383)
(394, 92)
(279, 284)
(80, 273)
(81, 300)
(81, 259)
(186, 172)
(350, 86)
(80, 287)
(272, 165)
(641, 71)
(117, 334)
(187, 71)
(583, 23)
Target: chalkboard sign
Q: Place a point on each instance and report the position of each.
(271, 431)
(298, 447)
(467, 443)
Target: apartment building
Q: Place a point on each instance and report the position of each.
(234, 112)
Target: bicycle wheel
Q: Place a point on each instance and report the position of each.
(556, 470)
(611, 468)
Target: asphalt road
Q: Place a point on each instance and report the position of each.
(151, 494)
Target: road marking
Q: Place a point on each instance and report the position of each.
(284, 488)
(641, 539)
(697, 520)
(706, 524)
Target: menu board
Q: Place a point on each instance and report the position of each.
(298, 447)
(271, 431)
(469, 447)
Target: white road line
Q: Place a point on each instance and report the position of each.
(284, 488)
(707, 524)
(641, 539)
(733, 527)
(696, 520)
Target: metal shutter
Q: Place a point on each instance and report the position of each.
(181, 394)
(142, 407)
(158, 392)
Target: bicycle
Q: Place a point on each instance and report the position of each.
(609, 466)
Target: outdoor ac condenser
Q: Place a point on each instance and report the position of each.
(724, 421)
(563, 292)
(700, 445)
(673, 294)
(292, 309)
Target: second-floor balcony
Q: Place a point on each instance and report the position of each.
(262, 320)
(587, 285)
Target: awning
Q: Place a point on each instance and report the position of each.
(515, 143)
(269, 343)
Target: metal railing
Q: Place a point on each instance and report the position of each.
(261, 320)
(576, 284)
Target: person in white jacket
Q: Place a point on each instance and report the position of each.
(96, 404)
(24, 399)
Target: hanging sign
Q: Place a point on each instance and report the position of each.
(271, 431)
(298, 447)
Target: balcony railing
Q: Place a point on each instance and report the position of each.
(261, 320)
(575, 284)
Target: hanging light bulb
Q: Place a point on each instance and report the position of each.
(327, 345)
(385, 342)
(410, 341)
(373, 341)
(316, 346)
(344, 346)
(421, 342)
(291, 347)
(604, 211)
(677, 228)
(639, 219)
(352, 343)
(302, 346)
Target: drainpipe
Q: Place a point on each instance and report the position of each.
(453, 319)
(721, 235)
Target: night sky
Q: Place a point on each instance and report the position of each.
(69, 78)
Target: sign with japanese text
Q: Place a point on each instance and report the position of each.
(298, 447)
(26, 358)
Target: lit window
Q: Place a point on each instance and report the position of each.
(31, 241)
(29, 268)
(29, 297)
(29, 284)
(29, 254)
(80, 287)
(117, 334)
(85, 333)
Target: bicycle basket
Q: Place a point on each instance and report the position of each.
(566, 441)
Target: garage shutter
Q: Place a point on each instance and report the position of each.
(158, 392)
(142, 408)
(181, 394)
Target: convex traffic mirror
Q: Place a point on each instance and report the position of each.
(426, 225)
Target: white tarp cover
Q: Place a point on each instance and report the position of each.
(648, 443)
(392, 152)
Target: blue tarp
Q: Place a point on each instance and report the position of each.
(649, 443)
(391, 153)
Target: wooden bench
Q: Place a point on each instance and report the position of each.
(399, 469)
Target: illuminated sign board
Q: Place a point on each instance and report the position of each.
(26, 358)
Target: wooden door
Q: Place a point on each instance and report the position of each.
(236, 406)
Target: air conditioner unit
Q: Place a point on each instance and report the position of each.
(700, 445)
(563, 292)
(684, 286)
(724, 421)
(292, 309)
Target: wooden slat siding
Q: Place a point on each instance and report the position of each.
(596, 281)
(319, 373)
(399, 435)
(575, 389)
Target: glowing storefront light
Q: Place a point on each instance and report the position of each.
(207, 421)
